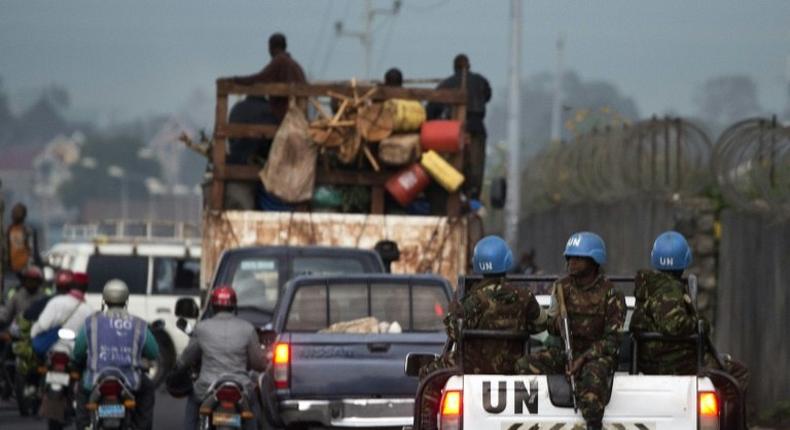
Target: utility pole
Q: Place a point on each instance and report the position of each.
(556, 107)
(366, 36)
(513, 198)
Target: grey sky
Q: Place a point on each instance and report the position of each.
(139, 57)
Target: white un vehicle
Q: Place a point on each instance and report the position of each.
(159, 261)
(709, 400)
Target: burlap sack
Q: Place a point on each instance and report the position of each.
(289, 172)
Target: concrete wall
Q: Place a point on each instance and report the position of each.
(754, 301)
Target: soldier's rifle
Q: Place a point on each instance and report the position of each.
(565, 333)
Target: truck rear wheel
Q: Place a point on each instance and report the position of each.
(167, 358)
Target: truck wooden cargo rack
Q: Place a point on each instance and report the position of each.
(224, 130)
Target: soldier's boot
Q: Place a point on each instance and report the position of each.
(594, 425)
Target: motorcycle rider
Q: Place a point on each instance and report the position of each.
(67, 310)
(114, 338)
(32, 278)
(224, 345)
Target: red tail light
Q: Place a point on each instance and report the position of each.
(111, 388)
(59, 360)
(228, 394)
(282, 361)
(451, 410)
(708, 407)
(708, 404)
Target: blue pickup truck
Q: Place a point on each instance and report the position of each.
(338, 345)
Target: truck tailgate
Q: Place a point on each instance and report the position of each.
(522, 402)
(328, 365)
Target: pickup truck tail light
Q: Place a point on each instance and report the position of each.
(282, 362)
(708, 406)
(451, 410)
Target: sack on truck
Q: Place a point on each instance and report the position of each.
(289, 172)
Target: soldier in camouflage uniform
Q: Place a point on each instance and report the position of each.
(664, 306)
(596, 313)
(491, 304)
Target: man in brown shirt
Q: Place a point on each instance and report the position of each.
(282, 68)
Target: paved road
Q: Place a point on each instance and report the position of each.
(168, 415)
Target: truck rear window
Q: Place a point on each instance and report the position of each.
(256, 282)
(334, 307)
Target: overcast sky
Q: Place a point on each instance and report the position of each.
(131, 58)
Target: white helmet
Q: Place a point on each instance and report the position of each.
(115, 292)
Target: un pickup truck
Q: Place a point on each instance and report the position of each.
(709, 400)
(338, 344)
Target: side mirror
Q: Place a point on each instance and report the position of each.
(186, 308)
(416, 361)
(388, 251)
(267, 337)
(184, 326)
(67, 334)
(498, 193)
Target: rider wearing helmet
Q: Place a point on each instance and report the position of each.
(224, 346)
(68, 309)
(490, 303)
(129, 339)
(596, 312)
(30, 291)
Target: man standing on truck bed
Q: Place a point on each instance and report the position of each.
(490, 304)
(478, 93)
(282, 68)
(596, 313)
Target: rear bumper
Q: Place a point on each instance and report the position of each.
(359, 413)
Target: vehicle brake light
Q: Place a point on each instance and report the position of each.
(708, 404)
(59, 360)
(111, 388)
(282, 360)
(451, 408)
(229, 394)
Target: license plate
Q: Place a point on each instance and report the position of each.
(59, 378)
(223, 419)
(111, 411)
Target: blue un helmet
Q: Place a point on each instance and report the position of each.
(670, 252)
(586, 244)
(492, 256)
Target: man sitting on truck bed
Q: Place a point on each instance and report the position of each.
(664, 306)
(596, 312)
(490, 304)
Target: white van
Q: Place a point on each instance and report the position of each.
(160, 262)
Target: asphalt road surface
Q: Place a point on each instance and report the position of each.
(168, 415)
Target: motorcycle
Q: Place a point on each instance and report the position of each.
(58, 385)
(226, 406)
(111, 402)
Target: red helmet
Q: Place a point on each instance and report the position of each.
(80, 280)
(63, 279)
(32, 272)
(223, 297)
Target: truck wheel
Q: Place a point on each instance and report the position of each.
(167, 359)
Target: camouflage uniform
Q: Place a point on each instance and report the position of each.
(663, 306)
(596, 313)
(488, 305)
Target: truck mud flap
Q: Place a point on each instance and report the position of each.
(269, 404)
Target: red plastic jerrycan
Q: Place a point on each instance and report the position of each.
(407, 184)
(441, 135)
